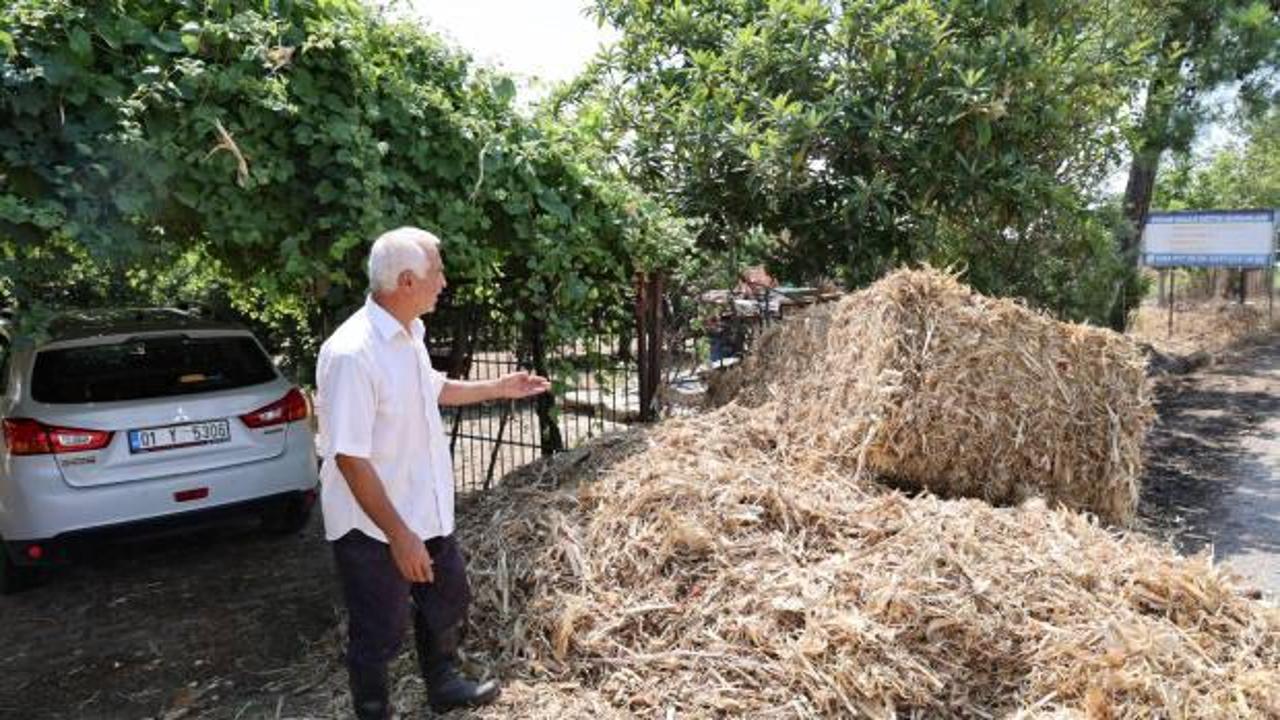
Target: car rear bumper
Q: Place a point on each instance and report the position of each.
(35, 506)
(57, 549)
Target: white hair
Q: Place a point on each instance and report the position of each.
(395, 251)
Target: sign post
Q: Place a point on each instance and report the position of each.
(1211, 239)
(1271, 290)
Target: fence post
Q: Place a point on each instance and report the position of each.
(649, 341)
(548, 427)
(655, 345)
(642, 336)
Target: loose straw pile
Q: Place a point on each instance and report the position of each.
(1210, 326)
(734, 565)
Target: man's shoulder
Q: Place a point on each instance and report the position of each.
(352, 338)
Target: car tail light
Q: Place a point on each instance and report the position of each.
(76, 440)
(26, 437)
(290, 408)
(32, 437)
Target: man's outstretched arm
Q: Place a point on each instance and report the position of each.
(512, 386)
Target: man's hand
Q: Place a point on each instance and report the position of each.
(407, 550)
(522, 384)
(411, 557)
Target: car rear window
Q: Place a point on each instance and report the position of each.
(149, 367)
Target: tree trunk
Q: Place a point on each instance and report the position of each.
(1153, 139)
(1137, 199)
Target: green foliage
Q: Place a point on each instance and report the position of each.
(279, 138)
(1070, 265)
(1197, 47)
(866, 134)
(1243, 175)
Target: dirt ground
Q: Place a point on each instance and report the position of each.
(152, 629)
(235, 624)
(1212, 480)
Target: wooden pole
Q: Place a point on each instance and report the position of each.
(651, 373)
(1271, 290)
(1173, 280)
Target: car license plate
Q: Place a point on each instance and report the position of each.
(176, 436)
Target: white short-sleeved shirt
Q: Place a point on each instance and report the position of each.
(377, 399)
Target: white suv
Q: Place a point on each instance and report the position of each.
(138, 421)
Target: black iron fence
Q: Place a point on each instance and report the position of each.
(652, 358)
(597, 389)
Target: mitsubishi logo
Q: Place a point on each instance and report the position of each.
(181, 415)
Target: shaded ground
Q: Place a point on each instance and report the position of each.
(1213, 463)
(170, 628)
(231, 624)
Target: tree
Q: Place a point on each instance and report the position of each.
(279, 138)
(865, 134)
(1198, 46)
(1245, 174)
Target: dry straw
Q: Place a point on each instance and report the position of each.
(1212, 326)
(736, 564)
(923, 381)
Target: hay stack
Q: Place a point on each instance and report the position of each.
(925, 382)
(702, 575)
(736, 563)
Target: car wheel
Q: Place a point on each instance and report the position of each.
(288, 517)
(15, 578)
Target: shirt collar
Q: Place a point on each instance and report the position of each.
(386, 323)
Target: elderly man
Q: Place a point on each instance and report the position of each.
(387, 478)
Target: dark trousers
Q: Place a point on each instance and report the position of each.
(379, 599)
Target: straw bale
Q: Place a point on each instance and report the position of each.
(786, 349)
(921, 380)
